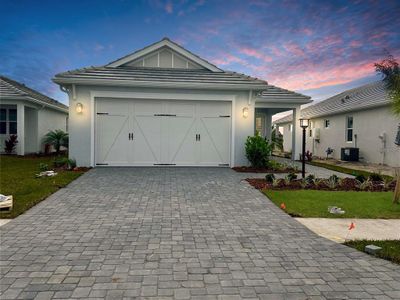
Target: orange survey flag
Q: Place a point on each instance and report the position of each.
(352, 226)
(283, 206)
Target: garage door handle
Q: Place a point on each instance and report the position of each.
(198, 137)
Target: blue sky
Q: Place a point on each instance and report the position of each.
(319, 48)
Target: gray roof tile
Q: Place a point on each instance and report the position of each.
(363, 97)
(12, 89)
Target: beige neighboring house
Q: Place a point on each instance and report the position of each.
(357, 118)
(28, 114)
(164, 105)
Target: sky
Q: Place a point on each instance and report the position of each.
(318, 48)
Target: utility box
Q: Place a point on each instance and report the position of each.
(350, 154)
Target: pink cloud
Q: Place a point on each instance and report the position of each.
(255, 53)
(293, 49)
(307, 31)
(355, 44)
(227, 59)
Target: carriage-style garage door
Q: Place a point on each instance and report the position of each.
(152, 132)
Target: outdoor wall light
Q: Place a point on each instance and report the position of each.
(79, 108)
(245, 112)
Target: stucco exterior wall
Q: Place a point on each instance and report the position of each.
(368, 125)
(50, 119)
(80, 125)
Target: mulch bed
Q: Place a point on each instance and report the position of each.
(245, 169)
(346, 184)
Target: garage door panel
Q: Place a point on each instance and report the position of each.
(112, 139)
(146, 140)
(215, 141)
(182, 140)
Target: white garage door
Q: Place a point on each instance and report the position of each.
(151, 132)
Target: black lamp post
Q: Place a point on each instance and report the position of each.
(304, 124)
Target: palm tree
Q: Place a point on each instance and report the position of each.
(389, 69)
(56, 138)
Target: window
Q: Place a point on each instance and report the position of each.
(327, 123)
(349, 129)
(259, 125)
(8, 121)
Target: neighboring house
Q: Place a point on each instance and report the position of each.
(163, 105)
(28, 114)
(359, 118)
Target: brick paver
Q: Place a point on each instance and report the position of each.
(199, 233)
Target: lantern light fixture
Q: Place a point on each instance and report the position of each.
(79, 108)
(304, 123)
(245, 112)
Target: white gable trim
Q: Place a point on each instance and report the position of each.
(164, 43)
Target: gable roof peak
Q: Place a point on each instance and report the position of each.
(165, 42)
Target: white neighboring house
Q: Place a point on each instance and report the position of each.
(28, 114)
(163, 105)
(359, 118)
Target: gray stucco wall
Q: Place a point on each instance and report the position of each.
(80, 125)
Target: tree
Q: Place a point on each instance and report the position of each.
(56, 138)
(389, 69)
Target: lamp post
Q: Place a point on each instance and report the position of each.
(304, 124)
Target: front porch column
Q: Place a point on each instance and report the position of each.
(296, 134)
(21, 129)
(268, 126)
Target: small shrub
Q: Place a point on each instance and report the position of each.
(56, 138)
(258, 151)
(290, 177)
(333, 182)
(360, 178)
(10, 144)
(60, 162)
(366, 185)
(304, 183)
(322, 183)
(310, 179)
(375, 177)
(71, 164)
(270, 177)
(43, 167)
(387, 181)
(274, 165)
(349, 184)
(278, 183)
(334, 178)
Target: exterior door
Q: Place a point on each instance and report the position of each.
(158, 132)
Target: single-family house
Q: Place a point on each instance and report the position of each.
(28, 114)
(357, 118)
(164, 105)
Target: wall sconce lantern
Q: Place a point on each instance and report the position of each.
(245, 112)
(79, 108)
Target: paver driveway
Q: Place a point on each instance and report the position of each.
(177, 233)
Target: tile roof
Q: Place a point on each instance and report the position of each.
(363, 97)
(12, 89)
(273, 93)
(160, 75)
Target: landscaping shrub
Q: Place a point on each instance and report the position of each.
(10, 144)
(43, 167)
(308, 156)
(71, 164)
(291, 176)
(56, 138)
(360, 178)
(334, 178)
(269, 178)
(375, 177)
(60, 162)
(310, 179)
(258, 151)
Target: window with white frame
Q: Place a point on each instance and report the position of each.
(8, 121)
(327, 123)
(349, 129)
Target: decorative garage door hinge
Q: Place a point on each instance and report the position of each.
(223, 165)
(102, 113)
(164, 115)
(225, 116)
(101, 164)
(164, 164)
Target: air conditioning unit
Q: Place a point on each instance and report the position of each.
(316, 134)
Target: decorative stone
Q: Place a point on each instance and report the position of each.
(372, 249)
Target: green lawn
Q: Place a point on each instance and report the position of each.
(314, 204)
(390, 249)
(17, 178)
